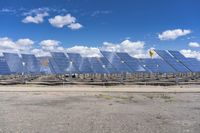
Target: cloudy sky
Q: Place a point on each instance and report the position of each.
(133, 26)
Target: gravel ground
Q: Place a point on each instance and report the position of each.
(90, 112)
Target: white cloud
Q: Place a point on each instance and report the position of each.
(7, 43)
(47, 43)
(194, 44)
(38, 18)
(67, 20)
(40, 52)
(135, 49)
(36, 11)
(8, 10)
(50, 45)
(61, 21)
(47, 46)
(21, 45)
(24, 44)
(60, 48)
(75, 26)
(127, 45)
(98, 12)
(84, 51)
(191, 54)
(44, 9)
(173, 34)
(111, 47)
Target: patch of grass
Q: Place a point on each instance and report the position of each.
(164, 96)
(122, 97)
(135, 101)
(37, 93)
(168, 100)
(117, 101)
(196, 108)
(150, 97)
(107, 97)
(125, 99)
(158, 117)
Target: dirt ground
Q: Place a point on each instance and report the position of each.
(99, 112)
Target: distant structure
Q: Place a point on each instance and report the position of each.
(110, 63)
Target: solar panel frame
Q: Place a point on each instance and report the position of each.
(120, 65)
(97, 66)
(192, 65)
(14, 62)
(110, 69)
(156, 66)
(133, 63)
(85, 66)
(4, 68)
(61, 61)
(53, 67)
(31, 63)
(82, 63)
(44, 65)
(179, 67)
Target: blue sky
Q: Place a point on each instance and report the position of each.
(101, 21)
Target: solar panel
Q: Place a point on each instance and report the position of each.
(131, 62)
(62, 64)
(172, 61)
(4, 69)
(97, 66)
(120, 65)
(191, 64)
(30, 63)
(44, 65)
(53, 67)
(156, 66)
(193, 59)
(108, 66)
(75, 58)
(14, 62)
(81, 63)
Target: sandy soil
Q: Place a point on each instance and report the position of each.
(90, 88)
(64, 111)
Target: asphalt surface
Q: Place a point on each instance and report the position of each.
(89, 112)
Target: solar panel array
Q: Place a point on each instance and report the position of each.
(109, 63)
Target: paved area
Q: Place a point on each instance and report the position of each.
(99, 112)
